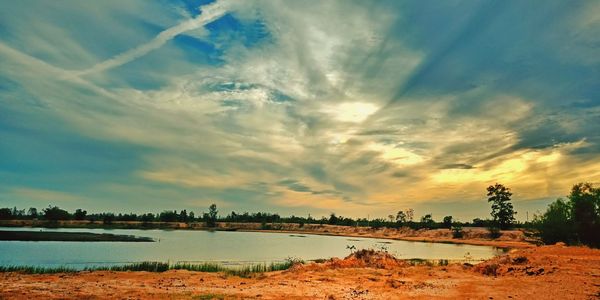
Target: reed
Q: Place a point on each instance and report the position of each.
(148, 266)
(36, 270)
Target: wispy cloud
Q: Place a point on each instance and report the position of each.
(279, 105)
(209, 13)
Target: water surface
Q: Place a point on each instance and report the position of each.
(222, 246)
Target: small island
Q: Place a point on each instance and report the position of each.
(9, 235)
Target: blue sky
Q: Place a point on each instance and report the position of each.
(297, 107)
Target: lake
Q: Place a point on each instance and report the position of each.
(226, 247)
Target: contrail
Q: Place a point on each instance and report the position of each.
(41, 66)
(209, 13)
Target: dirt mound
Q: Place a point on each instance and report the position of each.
(537, 261)
(515, 265)
(366, 258)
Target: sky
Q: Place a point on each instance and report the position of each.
(362, 108)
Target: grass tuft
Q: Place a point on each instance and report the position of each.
(148, 266)
(36, 270)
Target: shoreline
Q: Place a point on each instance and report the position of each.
(477, 236)
(546, 272)
(473, 242)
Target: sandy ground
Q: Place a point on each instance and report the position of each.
(547, 272)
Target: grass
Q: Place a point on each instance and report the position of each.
(148, 266)
(36, 270)
(242, 271)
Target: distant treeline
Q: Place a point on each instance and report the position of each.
(400, 219)
(574, 220)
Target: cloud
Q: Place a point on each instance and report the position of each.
(209, 13)
(283, 106)
(42, 196)
(457, 166)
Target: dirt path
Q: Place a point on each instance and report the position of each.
(549, 272)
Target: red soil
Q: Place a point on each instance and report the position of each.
(548, 272)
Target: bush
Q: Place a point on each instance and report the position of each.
(494, 232)
(457, 232)
(490, 270)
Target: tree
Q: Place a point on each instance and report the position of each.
(32, 212)
(183, 216)
(5, 214)
(212, 215)
(585, 212)
(168, 216)
(18, 212)
(400, 218)
(108, 218)
(447, 222)
(427, 220)
(555, 224)
(147, 218)
(333, 219)
(410, 214)
(53, 213)
(502, 209)
(391, 218)
(79, 214)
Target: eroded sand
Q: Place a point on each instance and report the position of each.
(548, 272)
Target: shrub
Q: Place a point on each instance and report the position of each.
(494, 232)
(457, 232)
(490, 270)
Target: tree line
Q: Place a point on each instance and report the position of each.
(400, 219)
(573, 220)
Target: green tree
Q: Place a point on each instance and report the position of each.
(502, 209)
(585, 212)
(5, 213)
(427, 221)
(212, 215)
(147, 218)
(183, 216)
(108, 218)
(168, 216)
(447, 222)
(79, 214)
(555, 224)
(333, 219)
(32, 212)
(53, 213)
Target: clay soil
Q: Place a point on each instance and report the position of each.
(546, 272)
